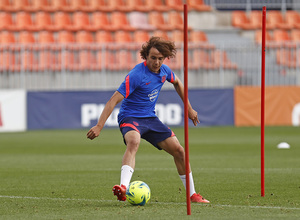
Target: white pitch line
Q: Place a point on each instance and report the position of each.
(165, 203)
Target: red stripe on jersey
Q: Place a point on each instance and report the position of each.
(172, 77)
(127, 86)
(129, 125)
(145, 63)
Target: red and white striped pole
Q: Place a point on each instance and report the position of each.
(186, 118)
(263, 54)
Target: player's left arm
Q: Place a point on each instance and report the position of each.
(193, 115)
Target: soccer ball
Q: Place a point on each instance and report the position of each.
(138, 193)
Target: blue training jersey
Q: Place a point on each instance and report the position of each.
(140, 89)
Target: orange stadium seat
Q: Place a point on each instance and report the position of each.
(268, 38)
(293, 19)
(87, 60)
(43, 21)
(76, 5)
(7, 37)
(100, 21)
(295, 35)
(138, 5)
(28, 61)
(47, 51)
(275, 20)
(16, 5)
(198, 5)
(221, 59)
(106, 61)
(157, 20)
(45, 37)
(24, 22)
(239, 19)
(162, 34)
(7, 59)
(255, 19)
(119, 5)
(100, 5)
(62, 21)
(175, 4)
(201, 59)
(81, 21)
(175, 63)
(26, 37)
(119, 21)
(104, 37)
(123, 37)
(281, 36)
(4, 4)
(177, 36)
(36, 5)
(287, 57)
(65, 58)
(124, 60)
(141, 36)
(6, 21)
(175, 20)
(157, 5)
(65, 37)
(84, 37)
(200, 37)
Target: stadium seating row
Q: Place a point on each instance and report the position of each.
(101, 5)
(90, 21)
(278, 37)
(87, 58)
(275, 19)
(288, 57)
(139, 36)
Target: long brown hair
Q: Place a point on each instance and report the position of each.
(165, 47)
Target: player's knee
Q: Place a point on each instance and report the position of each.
(179, 153)
(133, 144)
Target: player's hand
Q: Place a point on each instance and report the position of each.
(193, 115)
(93, 132)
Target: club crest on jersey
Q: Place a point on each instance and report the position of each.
(163, 79)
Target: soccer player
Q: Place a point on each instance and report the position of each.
(137, 119)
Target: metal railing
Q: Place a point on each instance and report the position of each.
(99, 66)
(249, 5)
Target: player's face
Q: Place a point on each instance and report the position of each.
(154, 60)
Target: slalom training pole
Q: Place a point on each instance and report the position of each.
(186, 118)
(262, 133)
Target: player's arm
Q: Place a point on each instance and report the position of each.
(193, 115)
(109, 107)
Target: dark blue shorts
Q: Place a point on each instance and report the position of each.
(151, 129)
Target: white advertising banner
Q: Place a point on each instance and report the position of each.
(12, 110)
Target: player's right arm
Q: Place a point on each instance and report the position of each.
(109, 107)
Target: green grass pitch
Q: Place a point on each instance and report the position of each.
(62, 175)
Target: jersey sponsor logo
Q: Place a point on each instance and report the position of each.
(163, 79)
(153, 95)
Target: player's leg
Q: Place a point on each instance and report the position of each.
(173, 147)
(132, 140)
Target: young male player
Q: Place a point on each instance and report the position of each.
(137, 119)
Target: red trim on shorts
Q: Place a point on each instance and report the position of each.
(173, 134)
(127, 86)
(129, 125)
